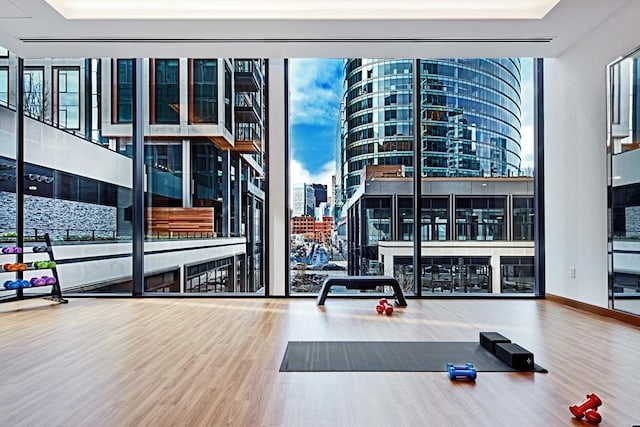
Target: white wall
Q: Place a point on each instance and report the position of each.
(575, 162)
(277, 215)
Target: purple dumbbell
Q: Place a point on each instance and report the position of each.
(7, 250)
(38, 281)
(49, 280)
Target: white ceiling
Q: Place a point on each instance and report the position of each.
(33, 29)
(296, 9)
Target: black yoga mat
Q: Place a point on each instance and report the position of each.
(389, 356)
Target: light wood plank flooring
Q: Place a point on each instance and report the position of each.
(201, 362)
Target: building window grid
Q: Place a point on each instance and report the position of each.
(4, 86)
(499, 111)
(483, 219)
(166, 89)
(228, 99)
(35, 102)
(124, 91)
(485, 93)
(492, 68)
(204, 95)
(448, 71)
(487, 67)
(488, 80)
(67, 97)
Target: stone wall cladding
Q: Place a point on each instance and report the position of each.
(82, 220)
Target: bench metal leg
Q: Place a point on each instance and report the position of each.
(322, 296)
(399, 296)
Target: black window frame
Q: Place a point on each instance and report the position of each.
(56, 92)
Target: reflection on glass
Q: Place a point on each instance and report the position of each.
(66, 96)
(203, 186)
(124, 91)
(475, 164)
(624, 184)
(480, 218)
(204, 105)
(4, 86)
(35, 100)
(8, 236)
(75, 190)
(523, 218)
(204, 192)
(516, 274)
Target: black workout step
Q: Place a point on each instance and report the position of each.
(489, 340)
(515, 356)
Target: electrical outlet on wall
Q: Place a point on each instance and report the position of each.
(572, 272)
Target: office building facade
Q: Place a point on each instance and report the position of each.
(469, 117)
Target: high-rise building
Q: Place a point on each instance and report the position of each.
(303, 200)
(319, 193)
(469, 117)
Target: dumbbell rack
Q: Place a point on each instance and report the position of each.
(56, 290)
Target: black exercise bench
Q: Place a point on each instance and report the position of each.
(363, 283)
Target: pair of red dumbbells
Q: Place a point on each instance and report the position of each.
(588, 409)
(384, 307)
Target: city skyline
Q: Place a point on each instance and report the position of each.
(316, 86)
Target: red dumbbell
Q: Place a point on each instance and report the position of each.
(592, 416)
(384, 307)
(591, 403)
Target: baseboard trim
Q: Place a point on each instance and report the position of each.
(618, 315)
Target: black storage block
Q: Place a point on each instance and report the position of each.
(489, 340)
(515, 356)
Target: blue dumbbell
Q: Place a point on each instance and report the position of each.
(467, 371)
(11, 284)
(23, 283)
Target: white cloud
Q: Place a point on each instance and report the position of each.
(526, 147)
(299, 175)
(315, 90)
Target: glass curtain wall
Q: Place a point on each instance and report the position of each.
(75, 190)
(204, 192)
(8, 165)
(477, 152)
(350, 127)
(475, 136)
(204, 184)
(624, 183)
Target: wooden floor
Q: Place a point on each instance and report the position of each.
(193, 362)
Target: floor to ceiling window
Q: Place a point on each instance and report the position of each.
(351, 134)
(204, 184)
(75, 188)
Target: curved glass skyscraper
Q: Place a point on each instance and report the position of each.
(470, 117)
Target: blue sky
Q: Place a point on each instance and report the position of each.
(315, 93)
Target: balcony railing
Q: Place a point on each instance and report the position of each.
(247, 108)
(247, 75)
(74, 235)
(249, 133)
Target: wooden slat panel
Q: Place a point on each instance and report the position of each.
(164, 221)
